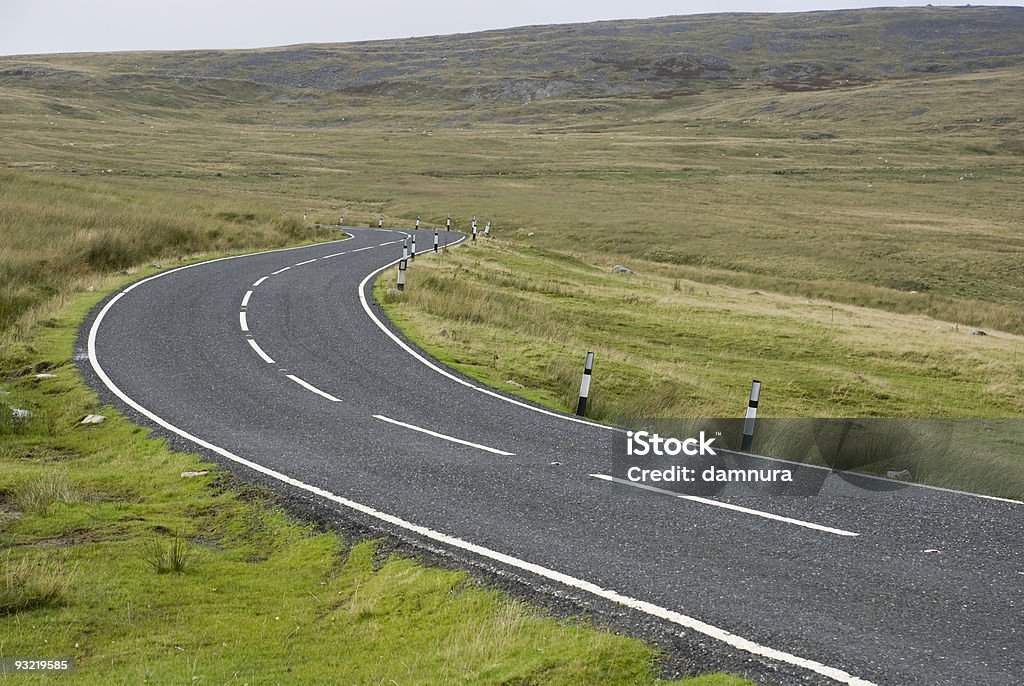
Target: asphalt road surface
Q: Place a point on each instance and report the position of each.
(281, 366)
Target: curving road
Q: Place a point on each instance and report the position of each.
(280, 365)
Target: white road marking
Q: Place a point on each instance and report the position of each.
(306, 262)
(279, 271)
(311, 387)
(442, 436)
(444, 372)
(677, 618)
(728, 506)
(569, 418)
(388, 243)
(259, 281)
(259, 351)
(245, 300)
(369, 247)
(335, 254)
(242, 321)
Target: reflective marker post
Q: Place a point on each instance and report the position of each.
(401, 275)
(412, 251)
(588, 368)
(748, 424)
(435, 240)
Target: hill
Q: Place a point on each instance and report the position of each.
(662, 58)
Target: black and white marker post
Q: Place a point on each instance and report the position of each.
(401, 275)
(748, 424)
(417, 222)
(412, 251)
(448, 225)
(405, 249)
(435, 240)
(588, 369)
(474, 227)
(380, 223)
(487, 230)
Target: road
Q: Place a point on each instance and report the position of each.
(281, 366)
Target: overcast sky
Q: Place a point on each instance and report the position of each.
(43, 26)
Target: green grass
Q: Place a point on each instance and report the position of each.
(114, 559)
(28, 583)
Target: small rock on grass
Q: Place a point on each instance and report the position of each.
(621, 269)
(190, 475)
(20, 414)
(94, 419)
(899, 475)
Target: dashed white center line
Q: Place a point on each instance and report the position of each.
(369, 247)
(311, 387)
(442, 436)
(335, 254)
(259, 351)
(242, 321)
(729, 506)
(306, 262)
(245, 300)
(259, 281)
(279, 271)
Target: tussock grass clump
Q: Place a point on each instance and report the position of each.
(174, 556)
(27, 583)
(41, 494)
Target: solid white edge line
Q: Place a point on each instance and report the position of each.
(572, 582)
(259, 351)
(245, 300)
(311, 387)
(729, 506)
(280, 271)
(259, 281)
(442, 436)
(242, 321)
(444, 372)
(569, 418)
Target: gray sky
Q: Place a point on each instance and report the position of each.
(43, 26)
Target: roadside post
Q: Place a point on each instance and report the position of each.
(401, 274)
(435, 240)
(748, 424)
(588, 369)
(412, 251)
